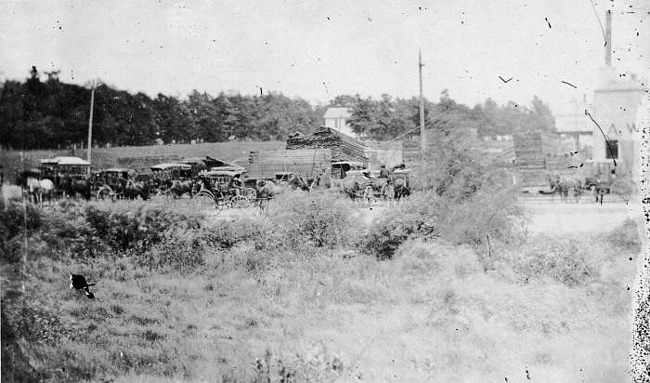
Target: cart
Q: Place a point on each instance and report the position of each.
(215, 190)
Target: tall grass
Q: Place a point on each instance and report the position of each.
(291, 296)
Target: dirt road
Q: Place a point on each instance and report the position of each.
(557, 217)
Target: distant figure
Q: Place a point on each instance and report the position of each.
(78, 282)
(235, 185)
(600, 195)
(384, 173)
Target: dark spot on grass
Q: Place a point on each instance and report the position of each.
(152, 336)
(117, 309)
(142, 321)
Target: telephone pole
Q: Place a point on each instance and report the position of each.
(423, 137)
(90, 120)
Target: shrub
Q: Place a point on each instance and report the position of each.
(624, 187)
(227, 234)
(183, 251)
(567, 261)
(395, 227)
(15, 220)
(136, 231)
(625, 237)
(489, 213)
(492, 212)
(323, 220)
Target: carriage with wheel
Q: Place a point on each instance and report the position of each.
(370, 187)
(223, 188)
(69, 175)
(172, 178)
(118, 183)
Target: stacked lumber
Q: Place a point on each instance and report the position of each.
(343, 147)
(306, 162)
(529, 152)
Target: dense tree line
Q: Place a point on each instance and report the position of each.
(388, 117)
(37, 114)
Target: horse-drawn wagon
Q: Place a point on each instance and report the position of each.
(119, 183)
(65, 166)
(173, 179)
(69, 175)
(223, 188)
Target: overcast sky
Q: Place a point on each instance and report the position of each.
(320, 49)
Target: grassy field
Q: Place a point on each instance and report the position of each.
(294, 295)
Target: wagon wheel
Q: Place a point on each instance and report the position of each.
(105, 192)
(205, 199)
(240, 201)
(249, 193)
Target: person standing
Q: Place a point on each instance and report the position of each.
(384, 173)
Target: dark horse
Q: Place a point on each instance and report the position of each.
(76, 187)
(134, 189)
(401, 190)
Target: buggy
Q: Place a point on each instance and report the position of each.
(215, 189)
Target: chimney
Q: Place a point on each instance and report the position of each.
(608, 37)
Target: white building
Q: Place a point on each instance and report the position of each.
(574, 127)
(337, 119)
(617, 101)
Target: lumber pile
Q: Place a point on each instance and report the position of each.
(307, 162)
(343, 147)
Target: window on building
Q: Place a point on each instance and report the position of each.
(611, 149)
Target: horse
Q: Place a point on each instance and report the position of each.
(179, 188)
(298, 182)
(378, 190)
(74, 188)
(401, 190)
(134, 189)
(38, 189)
(568, 189)
(388, 192)
(351, 188)
(265, 190)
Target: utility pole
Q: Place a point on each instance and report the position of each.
(423, 137)
(90, 120)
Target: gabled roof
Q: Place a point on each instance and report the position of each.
(337, 112)
(213, 162)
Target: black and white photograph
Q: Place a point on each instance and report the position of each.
(286, 191)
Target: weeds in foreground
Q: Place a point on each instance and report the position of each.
(200, 303)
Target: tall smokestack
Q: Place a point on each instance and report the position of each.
(608, 37)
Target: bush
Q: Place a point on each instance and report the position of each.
(624, 187)
(183, 252)
(15, 220)
(625, 237)
(228, 234)
(136, 231)
(567, 261)
(395, 227)
(322, 220)
(490, 213)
